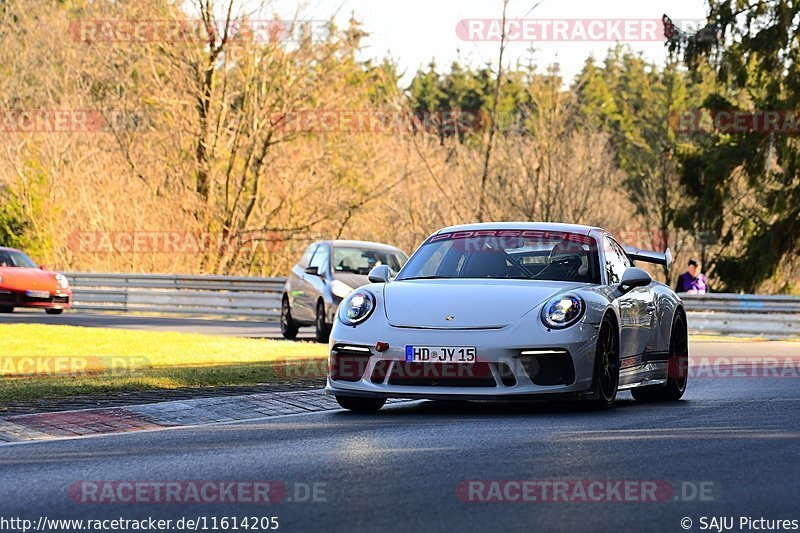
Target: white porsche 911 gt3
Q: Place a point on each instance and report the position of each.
(511, 311)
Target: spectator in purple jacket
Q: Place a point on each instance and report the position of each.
(692, 281)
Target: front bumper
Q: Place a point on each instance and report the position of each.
(59, 300)
(512, 364)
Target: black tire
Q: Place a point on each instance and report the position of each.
(361, 405)
(53, 311)
(5, 309)
(677, 368)
(606, 366)
(323, 329)
(288, 325)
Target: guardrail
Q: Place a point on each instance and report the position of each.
(755, 314)
(259, 298)
(227, 296)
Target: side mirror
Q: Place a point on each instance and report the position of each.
(380, 274)
(314, 271)
(634, 277)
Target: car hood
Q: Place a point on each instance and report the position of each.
(471, 303)
(27, 279)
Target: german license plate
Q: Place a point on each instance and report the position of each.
(440, 354)
(38, 294)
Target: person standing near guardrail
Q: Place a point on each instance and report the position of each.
(692, 281)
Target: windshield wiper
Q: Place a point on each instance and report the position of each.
(426, 277)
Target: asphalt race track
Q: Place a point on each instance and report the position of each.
(735, 440)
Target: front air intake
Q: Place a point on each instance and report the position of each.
(348, 363)
(548, 367)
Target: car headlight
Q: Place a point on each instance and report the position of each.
(62, 280)
(563, 311)
(340, 289)
(356, 308)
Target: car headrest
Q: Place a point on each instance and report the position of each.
(566, 249)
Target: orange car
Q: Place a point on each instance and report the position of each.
(23, 284)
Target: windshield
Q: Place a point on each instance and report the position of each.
(10, 258)
(362, 260)
(506, 254)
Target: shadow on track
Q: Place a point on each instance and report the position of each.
(471, 408)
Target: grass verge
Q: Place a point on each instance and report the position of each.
(43, 361)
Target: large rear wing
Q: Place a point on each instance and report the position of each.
(648, 256)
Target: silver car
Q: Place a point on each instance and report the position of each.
(327, 272)
(505, 311)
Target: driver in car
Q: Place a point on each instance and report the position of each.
(568, 261)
